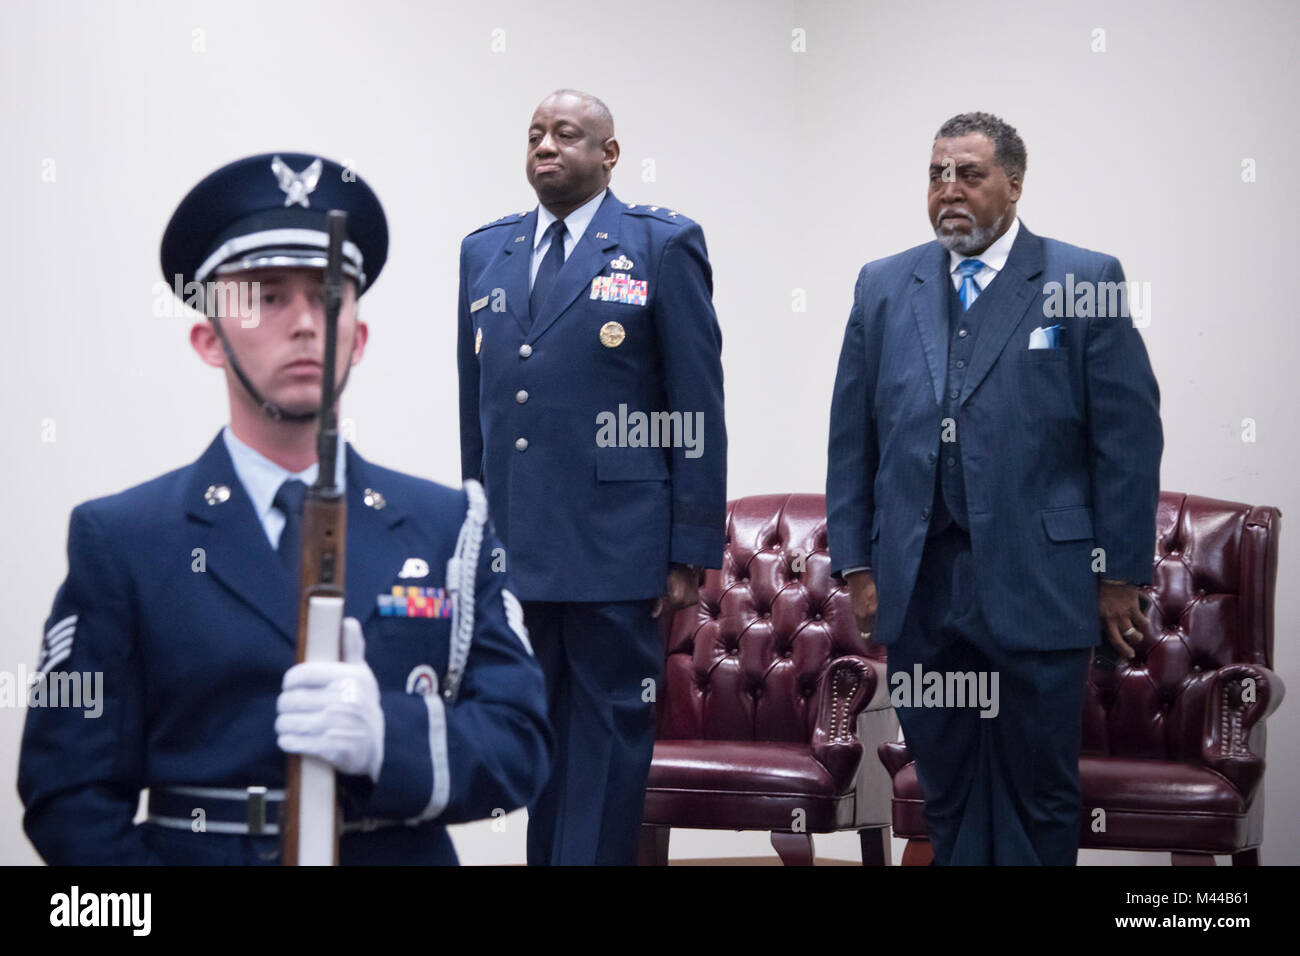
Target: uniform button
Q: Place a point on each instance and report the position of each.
(961, 333)
(525, 350)
(951, 461)
(925, 513)
(961, 363)
(954, 393)
(521, 444)
(521, 396)
(933, 456)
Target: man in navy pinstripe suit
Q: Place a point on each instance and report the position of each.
(993, 475)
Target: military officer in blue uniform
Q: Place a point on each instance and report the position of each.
(591, 407)
(183, 592)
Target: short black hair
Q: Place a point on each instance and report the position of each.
(1008, 147)
(604, 118)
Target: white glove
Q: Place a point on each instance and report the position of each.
(331, 710)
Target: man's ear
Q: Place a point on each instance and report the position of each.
(204, 341)
(359, 341)
(611, 150)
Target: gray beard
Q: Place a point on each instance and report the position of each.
(977, 240)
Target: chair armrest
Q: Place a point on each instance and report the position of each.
(846, 686)
(880, 699)
(1229, 718)
(894, 755)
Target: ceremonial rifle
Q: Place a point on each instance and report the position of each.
(309, 828)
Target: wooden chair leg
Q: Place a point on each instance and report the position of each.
(652, 846)
(876, 846)
(918, 853)
(794, 849)
(1193, 859)
(1246, 857)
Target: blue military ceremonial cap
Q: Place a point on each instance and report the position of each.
(270, 210)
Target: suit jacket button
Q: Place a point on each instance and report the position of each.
(521, 444)
(525, 350)
(521, 396)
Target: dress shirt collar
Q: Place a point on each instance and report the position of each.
(995, 256)
(575, 222)
(262, 477)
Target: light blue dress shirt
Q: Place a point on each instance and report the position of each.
(575, 224)
(262, 478)
(994, 259)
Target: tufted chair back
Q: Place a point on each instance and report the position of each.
(1211, 607)
(746, 665)
(770, 697)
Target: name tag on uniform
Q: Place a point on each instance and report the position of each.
(478, 303)
(415, 602)
(620, 287)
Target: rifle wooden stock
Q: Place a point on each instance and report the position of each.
(309, 828)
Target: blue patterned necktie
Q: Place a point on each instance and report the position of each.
(548, 270)
(288, 500)
(969, 290)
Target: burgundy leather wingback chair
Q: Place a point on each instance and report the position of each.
(768, 695)
(1173, 740)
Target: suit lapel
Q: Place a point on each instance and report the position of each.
(511, 268)
(586, 261)
(239, 555)
(1010, 293)
(371, 557)
(931, 311)
(237, 551)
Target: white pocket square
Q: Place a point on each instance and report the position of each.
(1045, 338)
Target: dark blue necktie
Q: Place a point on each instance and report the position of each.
(289, 501)
(548, 270)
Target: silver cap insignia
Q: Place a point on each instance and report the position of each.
(296, 186)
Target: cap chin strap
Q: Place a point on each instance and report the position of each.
(269, 408)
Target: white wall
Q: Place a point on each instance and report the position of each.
(800, 166)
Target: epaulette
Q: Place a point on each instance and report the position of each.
(662, 213)
(504, 220)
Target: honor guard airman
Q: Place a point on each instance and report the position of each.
(183, 592)
(591, 407)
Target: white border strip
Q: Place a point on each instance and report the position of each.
(71, 619)
(441, 792)
(216, 826)
(219, 793)
(268, 237)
